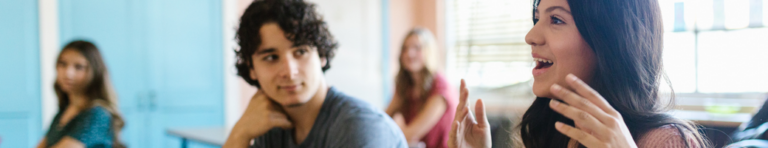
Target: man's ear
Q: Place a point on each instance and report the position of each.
(323, 62)
(252, 74)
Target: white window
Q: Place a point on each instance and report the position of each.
(486, 41)
(716, 46)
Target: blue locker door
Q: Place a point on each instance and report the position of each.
(19, 75)
(116, 28)
(184, 45)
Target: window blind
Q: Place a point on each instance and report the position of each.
(488, 45)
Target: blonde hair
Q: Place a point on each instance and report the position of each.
(403, 80)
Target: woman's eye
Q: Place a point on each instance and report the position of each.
(270, 58)
(79, 67)
(556, 20)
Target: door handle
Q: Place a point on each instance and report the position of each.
(142, 101)
(152, 100)
(147, 101)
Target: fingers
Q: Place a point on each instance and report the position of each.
(465, 115)
(482, 119)
(461, 114)
(463, 95)
(587, 92)
(574, 100)
(461, 107)
(280, 120)
(452, 139)
(454, 129)
(578, 135)
(587, 121)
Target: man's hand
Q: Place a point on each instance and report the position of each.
(260, 116)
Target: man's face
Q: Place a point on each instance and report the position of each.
(289, 75)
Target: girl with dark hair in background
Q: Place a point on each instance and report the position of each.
(421, 94)
(596, 80)
(88, 115)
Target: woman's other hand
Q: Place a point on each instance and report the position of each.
(466, 130)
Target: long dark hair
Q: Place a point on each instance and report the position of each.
(99, 91)
(626, 37)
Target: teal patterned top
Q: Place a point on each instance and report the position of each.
(91, 127)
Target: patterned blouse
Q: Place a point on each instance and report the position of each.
(91, 127)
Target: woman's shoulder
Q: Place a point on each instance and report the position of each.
(98, 111)
(96, 114)
(439, 83)
(94, 127)
(668, 135)
(439, 77)
(440, 86)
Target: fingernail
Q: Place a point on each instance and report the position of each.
(556, 87)
(572, 77)
(558, 124)
(554, 102)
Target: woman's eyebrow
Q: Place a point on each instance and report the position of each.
(550, 9)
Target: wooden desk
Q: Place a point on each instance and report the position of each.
(210, 135)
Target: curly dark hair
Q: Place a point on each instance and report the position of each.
(298, 19)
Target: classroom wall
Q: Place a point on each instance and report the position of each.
(407, 14)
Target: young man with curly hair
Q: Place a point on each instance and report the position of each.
(285, 47)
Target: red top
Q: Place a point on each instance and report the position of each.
(438, 135)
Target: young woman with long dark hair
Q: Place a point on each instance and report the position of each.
(597, 78)
(88, 115)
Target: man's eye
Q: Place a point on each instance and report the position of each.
(270, 58)
(301, 51)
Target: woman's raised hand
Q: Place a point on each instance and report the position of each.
(466, 130)
(598, 124)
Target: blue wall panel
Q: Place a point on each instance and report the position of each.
(19, 74)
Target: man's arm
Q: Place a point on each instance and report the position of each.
(42, 142)
(260, 116)
(237, 139)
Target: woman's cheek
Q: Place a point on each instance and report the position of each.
(541, 87)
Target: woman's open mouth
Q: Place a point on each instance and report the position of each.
(542, 65)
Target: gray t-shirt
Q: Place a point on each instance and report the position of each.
(343, 121)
